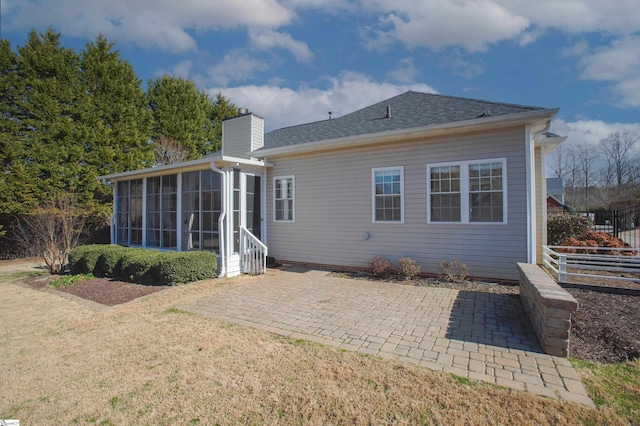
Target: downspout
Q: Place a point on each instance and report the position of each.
(223, 215)
(112, 219)
(531, 190)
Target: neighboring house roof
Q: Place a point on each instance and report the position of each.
(406, 111)
(555, 187)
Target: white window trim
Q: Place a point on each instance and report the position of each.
(464, 191)
(293, 198)
(373, 194)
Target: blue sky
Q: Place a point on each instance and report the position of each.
(293, 61)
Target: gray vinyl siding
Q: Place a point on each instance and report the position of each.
(257, 138)
(333, 196)
(237, 136)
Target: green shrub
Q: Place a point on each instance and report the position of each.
(69, 280)
(110, 261)
(83, 259)
(186, 267)
(141, 266)
(408, 268)
(562, 227)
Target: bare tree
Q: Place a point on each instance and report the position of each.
(51, 231)
(618, 150)
(167, 150)
(586, 159)
(563, 162)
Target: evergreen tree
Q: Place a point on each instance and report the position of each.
(43, 156)
(222, 108)
(8, 125)
(115, 122)
(67, 118)
(187, 115)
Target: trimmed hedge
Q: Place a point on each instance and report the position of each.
(141, 266)
(83, 259)
(151, 267)
(186, 267)
(110, 261)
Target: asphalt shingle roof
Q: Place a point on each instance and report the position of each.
(555, 186)
(408, 110)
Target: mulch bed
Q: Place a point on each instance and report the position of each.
(605, 329)
(106, 291)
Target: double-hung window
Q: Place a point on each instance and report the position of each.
(467, 191)
(284, 199)
(388, 194)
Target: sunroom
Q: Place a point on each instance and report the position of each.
(214, 203)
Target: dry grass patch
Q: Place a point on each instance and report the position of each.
(147, 362)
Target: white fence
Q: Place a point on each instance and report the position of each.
(254, 253)
(581, 262)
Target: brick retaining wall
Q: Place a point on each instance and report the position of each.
(549, 308)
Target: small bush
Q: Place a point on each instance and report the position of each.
(596, 239)
(186, 267)
(380, 267)
(454, 271)
(562, 227)
(408, 268)
(69, 280)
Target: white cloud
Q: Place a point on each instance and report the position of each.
(531, 36)
(627, 92)
(618, 63)
(346, 93)
(588, 132)
(438, 23)
(160, 24)
(462, 67)
(578, 16)
(406, 72)
(474, 24)
(328, 6)
(579, 48)
(269, 39)
(235, 66)
(181, 69)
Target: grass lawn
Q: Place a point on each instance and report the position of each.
(613, 385)
(147, 362)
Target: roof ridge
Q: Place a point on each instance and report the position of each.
(484, 101)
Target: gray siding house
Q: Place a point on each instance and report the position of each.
(426, 176)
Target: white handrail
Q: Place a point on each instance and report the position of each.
(253, 253)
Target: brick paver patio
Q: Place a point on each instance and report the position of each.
(476, 335)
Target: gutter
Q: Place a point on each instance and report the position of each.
(186, 166)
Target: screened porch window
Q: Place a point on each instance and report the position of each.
(162, 194)
(129, 212)
(201, 208)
